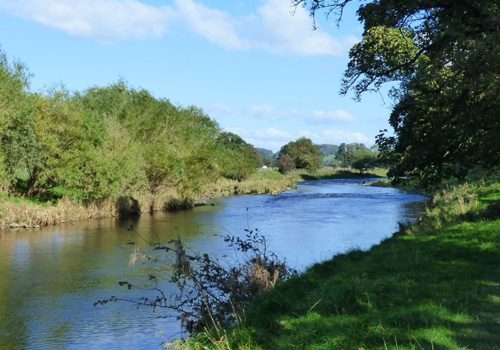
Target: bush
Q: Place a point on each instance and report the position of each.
(285, 164)
(304, 153)
(365, 162)
(211, 295)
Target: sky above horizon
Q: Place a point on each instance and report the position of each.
(257, 67)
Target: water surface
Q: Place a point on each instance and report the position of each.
(50, 277)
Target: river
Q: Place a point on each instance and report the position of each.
(50, 277)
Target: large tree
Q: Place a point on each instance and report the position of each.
(348, 153)
(303, 153)
(443, 58)
(241, 158)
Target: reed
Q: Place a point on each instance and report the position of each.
(22, 213)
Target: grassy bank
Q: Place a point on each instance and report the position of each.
(433, 286)
(18, 212)
(342, 173)
(263, 181)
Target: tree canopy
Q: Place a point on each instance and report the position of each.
(442, 57)
(303, 153)
(106, 142)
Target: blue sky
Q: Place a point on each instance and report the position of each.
(253, 66)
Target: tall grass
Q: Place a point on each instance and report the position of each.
(27, 214)
(18, 212)
(458, 203)
(261, 182)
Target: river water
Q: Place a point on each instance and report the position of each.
(50, 277)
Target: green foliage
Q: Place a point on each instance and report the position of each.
(442, 55)
(341, 173)
(285, 164)
(365, 161)
(303, 153)
(108, 142)
(241, 158)
(329, 153)
(21, 155)
(4, 179)
(383, 51)
(477, 201)
(348, 153)
(328, 150)
(267, 156)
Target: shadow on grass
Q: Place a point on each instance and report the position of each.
(410, 292)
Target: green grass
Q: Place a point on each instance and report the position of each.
(410, 292)
(325, 173)
(436, 288)
(267, 174)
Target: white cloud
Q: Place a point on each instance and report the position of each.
(105, 20)
(275, 27)
(214, 25)
(289, 30)
(331, 116)
(263, 111)
(271, 112)
(272, 133)
(266, 134)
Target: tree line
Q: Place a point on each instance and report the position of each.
(107, 142)
(303, 154)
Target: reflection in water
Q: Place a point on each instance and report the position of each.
(50, 278)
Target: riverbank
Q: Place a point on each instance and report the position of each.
(19, 212)
(343, 173)
(434, 285)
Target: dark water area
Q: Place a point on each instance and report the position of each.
(50, 277)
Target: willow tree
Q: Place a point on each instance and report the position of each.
(442, 58)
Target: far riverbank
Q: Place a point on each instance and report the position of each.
(19, 212)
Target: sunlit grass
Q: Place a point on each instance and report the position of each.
(18, 212)
(342, 173)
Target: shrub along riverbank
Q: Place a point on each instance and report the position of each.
(18, 212)
(435, 285)
(68, 156)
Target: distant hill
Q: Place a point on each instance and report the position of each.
(267, 156)
(265, 153)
